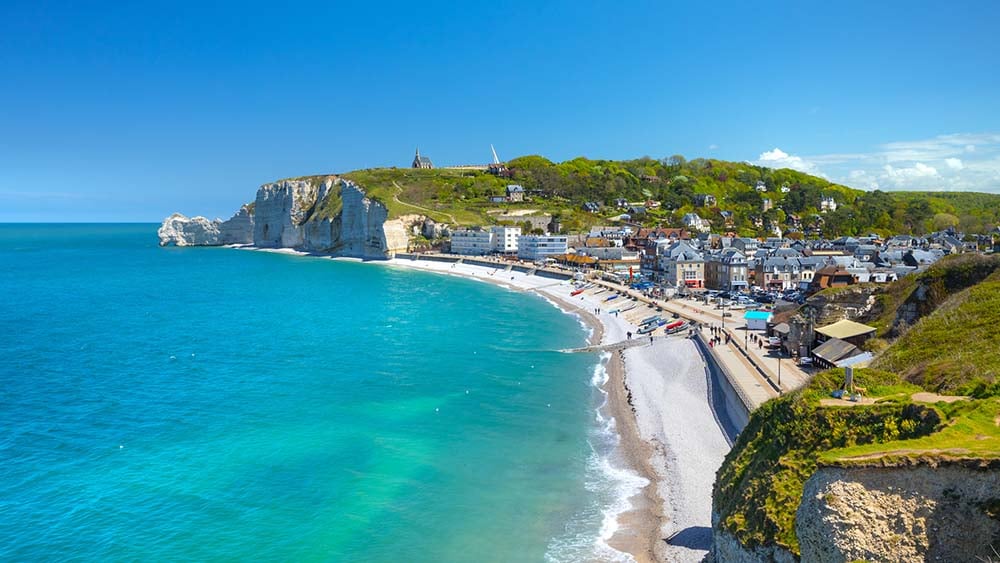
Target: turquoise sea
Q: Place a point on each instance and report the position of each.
(166, 404)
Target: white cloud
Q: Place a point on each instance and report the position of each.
(919, 170)
(713, 146)
(778, 158)
(961, 161)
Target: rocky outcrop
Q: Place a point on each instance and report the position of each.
(921, 513)
(181, 230)
(328, 215)
(239, 228)
(836, 304)
(727, 549)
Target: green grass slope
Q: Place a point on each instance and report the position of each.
(953, 349)
(760, 483)
(937, 283)
(462, 196)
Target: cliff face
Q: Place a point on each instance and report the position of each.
(329, 215)
(239, 228)
(921, 513)
(282, 209)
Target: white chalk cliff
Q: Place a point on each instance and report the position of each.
(180, 230)
(329, 215)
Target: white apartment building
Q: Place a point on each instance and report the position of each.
(471, 242)
(505, 239)
(538, 247)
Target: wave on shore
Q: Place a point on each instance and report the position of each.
(609, 478)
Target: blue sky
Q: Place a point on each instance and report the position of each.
(131, 111)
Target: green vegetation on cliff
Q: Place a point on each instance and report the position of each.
(739, 189)
(760, 484)
(954, 347)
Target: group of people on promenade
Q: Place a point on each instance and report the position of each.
(718, 335)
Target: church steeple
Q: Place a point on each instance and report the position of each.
(421, 161)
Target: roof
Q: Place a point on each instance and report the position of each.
(782, 328)
(757, 315)
(845, 329)
(835, 349)
(860, 361)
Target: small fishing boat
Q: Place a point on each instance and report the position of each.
(675, 327)
(651, 327)
(612, 297)
(577, 292)
(648, 320)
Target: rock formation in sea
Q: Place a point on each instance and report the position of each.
(181, 230)
(321, 214)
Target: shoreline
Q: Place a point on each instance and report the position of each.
(667, 502)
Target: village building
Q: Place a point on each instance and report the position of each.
(539, 247)
(505, 239)
(757, 320)
(682, 266)
(726, 270)
(832, 276)
(471, 242)
(515, 193)
(422, 161)
(704, 200)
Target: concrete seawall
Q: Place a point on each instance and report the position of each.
(732, 408)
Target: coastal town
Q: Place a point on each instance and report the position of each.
(704, 323)
(748, 282)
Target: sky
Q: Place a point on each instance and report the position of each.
(132, 111)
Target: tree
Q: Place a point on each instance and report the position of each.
(942, 221)
(917, 211)
(675, 161)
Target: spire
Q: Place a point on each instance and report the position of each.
(418, 152)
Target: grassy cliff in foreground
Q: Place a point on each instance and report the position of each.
(953, 348)
(760, 483)
(739, 189)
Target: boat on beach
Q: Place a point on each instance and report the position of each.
(651, 327)
(675, 327)
(648, 320)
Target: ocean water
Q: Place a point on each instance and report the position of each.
(207, 403)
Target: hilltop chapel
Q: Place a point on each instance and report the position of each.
(421, 161)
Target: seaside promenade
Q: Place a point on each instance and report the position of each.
(757, 372)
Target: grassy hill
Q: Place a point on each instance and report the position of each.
(462, 196)
(954, 348)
